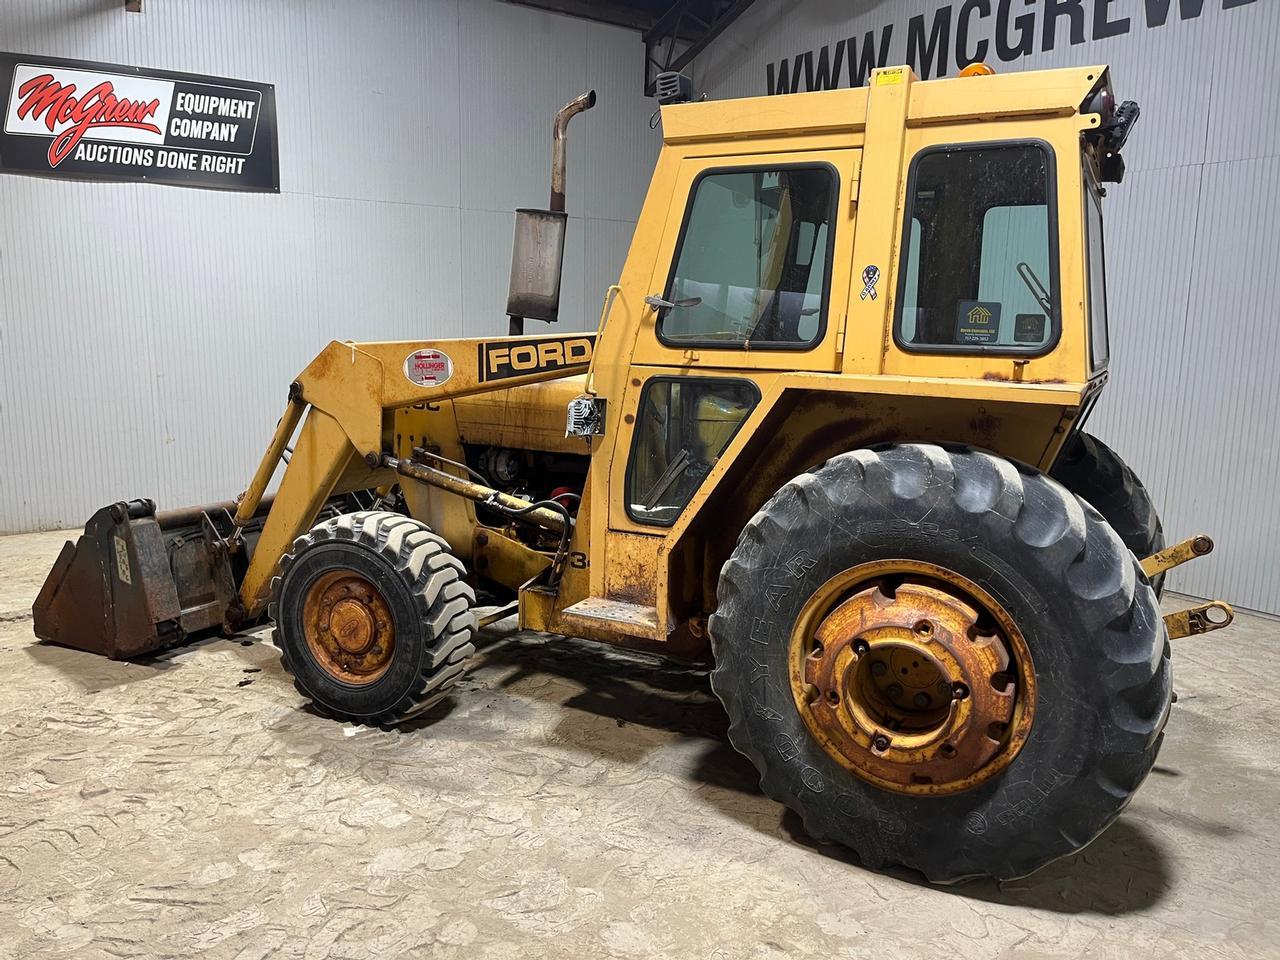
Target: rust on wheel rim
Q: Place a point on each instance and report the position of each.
(912, 677)
(348, 628)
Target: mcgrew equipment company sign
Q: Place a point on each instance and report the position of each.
(72, 118)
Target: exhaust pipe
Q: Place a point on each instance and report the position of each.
(537, 253)
(559, 144)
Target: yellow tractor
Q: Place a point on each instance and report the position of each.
(827, 438)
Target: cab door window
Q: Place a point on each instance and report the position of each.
(682, 426)
(980, 252)
(754, 259)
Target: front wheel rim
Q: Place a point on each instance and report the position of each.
(348, 627)
(912, 677)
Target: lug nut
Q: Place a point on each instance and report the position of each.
(894, 691)
(959, 691)
(881, 742)
(922, 699)
(878, 668)
(860, 648)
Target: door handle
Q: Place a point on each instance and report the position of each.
(659, 304)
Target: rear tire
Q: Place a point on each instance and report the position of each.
(1097, 645)
(1094, 472)
(404, 596)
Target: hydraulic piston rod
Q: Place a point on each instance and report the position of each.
(514, 507)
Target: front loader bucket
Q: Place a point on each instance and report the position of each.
(136, 582)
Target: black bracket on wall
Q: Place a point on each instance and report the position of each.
(683, 32)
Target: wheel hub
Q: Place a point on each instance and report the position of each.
(912, 677)
(348, 627)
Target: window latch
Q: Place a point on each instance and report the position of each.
(659, 304)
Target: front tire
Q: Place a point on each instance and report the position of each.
(1096, 642)
(372, 617)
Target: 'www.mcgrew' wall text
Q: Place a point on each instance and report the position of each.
(975, 31)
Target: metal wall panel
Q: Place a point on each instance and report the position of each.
(384, 107)
(148, 333)
(1193, 254)
(383, 263)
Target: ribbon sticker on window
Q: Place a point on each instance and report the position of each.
(870, 277)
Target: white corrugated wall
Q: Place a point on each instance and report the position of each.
(1193, 248)
(148, 333)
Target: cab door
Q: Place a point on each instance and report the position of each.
(751, 278)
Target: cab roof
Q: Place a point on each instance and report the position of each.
(1060, 92)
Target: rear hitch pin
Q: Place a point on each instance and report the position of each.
(1175, 556)
(1205, 618)
(1194, 621)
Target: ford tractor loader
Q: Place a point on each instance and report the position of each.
(827, 438)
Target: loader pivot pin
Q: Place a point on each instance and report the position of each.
(912, 677)
(348, 627)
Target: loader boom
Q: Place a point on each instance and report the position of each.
(347, 393)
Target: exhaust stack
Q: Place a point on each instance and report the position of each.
(537, 252)
(559, 144)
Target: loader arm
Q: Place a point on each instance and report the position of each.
(343, 399)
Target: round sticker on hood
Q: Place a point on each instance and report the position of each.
(428, 368)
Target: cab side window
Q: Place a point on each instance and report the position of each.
(980, 252)
(753, 260)
(682, 426)
(1099, 345)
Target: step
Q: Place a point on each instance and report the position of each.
(632, 619)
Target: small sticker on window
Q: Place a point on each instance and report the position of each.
(978, 321)
(1028, 328)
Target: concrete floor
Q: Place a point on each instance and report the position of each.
(570, 802)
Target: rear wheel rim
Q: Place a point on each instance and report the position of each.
(348, 627)
(912, 677)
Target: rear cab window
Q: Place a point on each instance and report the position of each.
(979, 263)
